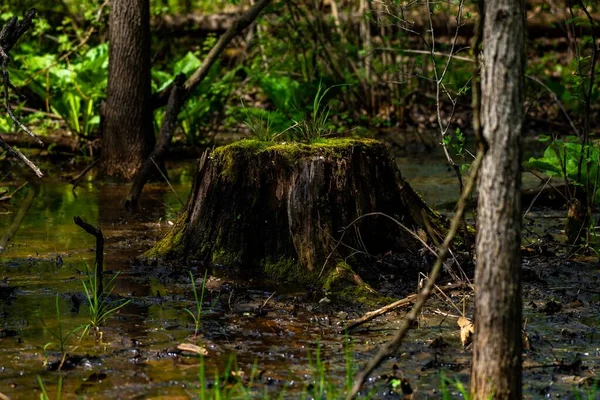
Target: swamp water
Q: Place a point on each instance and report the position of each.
(275, 340)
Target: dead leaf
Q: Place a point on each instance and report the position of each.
(192, 348)
(466, 331)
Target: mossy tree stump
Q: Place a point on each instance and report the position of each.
(293, 211)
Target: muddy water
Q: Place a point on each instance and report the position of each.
(277, 335)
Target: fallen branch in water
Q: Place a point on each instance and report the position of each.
(75, 180)
(392, 346)
(408, 300)
(99, 263)
(6, 197)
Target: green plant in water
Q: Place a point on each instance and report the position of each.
(447, 395)
(349, 358)
(197, 315)
(577, 164)
(562, 158)
(60, 336)
(229, 385)
(99, 306)
(44, 395)
(591, 392)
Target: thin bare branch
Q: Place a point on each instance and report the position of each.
(392, 346)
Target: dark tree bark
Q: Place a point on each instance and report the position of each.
(496, 368)
(294, 211)
(178, 93)
(127, 131)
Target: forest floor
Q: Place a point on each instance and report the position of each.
(286, 341)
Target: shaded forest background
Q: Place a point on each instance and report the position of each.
(389, 75)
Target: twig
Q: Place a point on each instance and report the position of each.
(408, 300)
(557, 101)
(167, 129)
(373, 214)
(167, 180)
(6, 197)
(426, 52)
(391, 347)
(238, 26)
(17, 153)
(266, 301)
(75, 180)
(99, 263)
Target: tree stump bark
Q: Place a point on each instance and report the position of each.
(297, 212)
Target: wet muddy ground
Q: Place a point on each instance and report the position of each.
(278, 340)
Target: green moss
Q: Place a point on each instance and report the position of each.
(223, 257)
(226, 156)
(288, 269)
(170, 244)
(291, 152)
(345, 285)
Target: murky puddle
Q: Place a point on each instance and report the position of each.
(277, 339)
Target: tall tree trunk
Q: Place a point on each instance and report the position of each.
(127, 131)
(496, 368)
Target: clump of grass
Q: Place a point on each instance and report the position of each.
(60, 336)
(591, 392)
(261, 125)
(315, 126)
(97, 296)
(458, 385)
(44, 395)
(197, 315)
(232, 383)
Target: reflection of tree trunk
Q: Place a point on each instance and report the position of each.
(26, 205)
(126, 234)
(496, 368)
(127, 132)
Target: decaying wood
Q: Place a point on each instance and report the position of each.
(539, 24)
(280, 209)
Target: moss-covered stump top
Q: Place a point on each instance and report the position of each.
(287, 153)
(294, 210)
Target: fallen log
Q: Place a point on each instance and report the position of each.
(539, 24)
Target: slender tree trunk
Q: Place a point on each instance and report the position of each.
(496, 369)
(127, 132)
